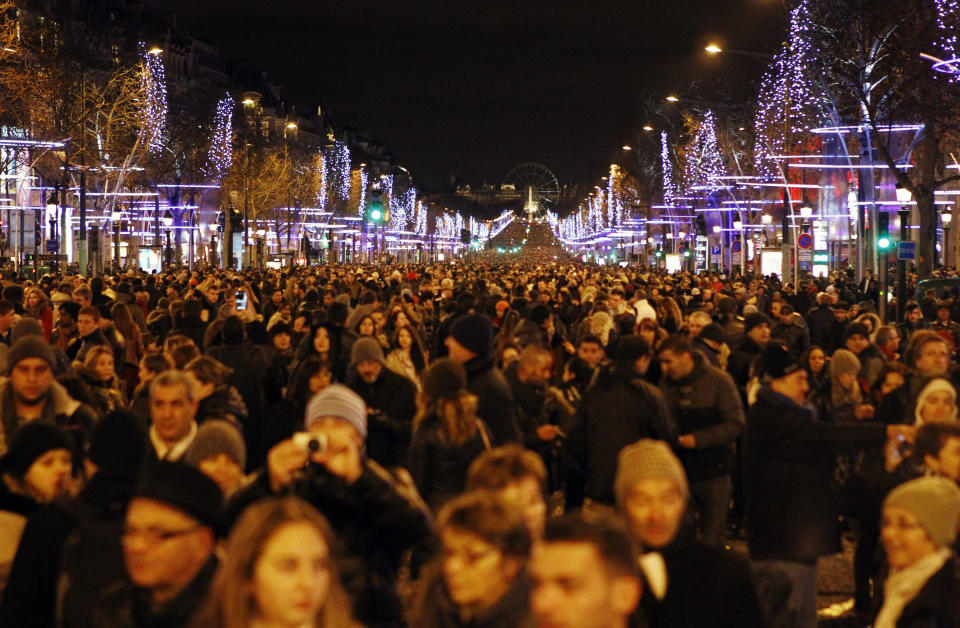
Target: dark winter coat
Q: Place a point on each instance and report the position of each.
(706, 404)
(438, 610)
(693, 598)
(193, 328)
(376, 525)
(792, 498)
(393, 399)
(937, 605)
(619, 408)
(126, 606)
(495, 403)
(822, 320)
(224, 403)
(249, 367)
(793, 334)
(439, 468)
(742, 355)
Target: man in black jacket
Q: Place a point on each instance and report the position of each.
(249, 366)
(470, 343)
(703, 400)
(682, 573)
(619, 408)
(792, 501)
(391, 401)
(742, 354)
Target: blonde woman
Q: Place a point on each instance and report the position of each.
(279, 572)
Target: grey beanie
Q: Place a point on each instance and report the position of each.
(648, 458)
(935, 502)
(30, 347)
(26, 326)
(339, 402)
(217, 437)
(364, 350)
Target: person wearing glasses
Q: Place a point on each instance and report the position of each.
(480, 578)
(918, 529)
(171, 527)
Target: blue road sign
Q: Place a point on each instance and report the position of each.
(907, 250)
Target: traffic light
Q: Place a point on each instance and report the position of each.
(375, 210)
(686, 252)
(659, 252)
(883, 231)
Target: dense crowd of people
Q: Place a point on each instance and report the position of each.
(472, 445)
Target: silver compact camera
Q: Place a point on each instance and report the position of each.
(310, 442)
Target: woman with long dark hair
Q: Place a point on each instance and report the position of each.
(447, 433)
(407, 357)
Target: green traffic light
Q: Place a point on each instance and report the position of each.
(376, 215)
(883, 244)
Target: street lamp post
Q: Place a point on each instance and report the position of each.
(738, 237)
(903, 198)
(115, 219)
(946, 218)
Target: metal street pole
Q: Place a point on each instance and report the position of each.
(902, 265)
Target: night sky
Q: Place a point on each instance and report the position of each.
(473, 88)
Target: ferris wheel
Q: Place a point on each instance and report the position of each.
(536, 185)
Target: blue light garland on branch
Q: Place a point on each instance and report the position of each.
(153, 112)
(220, 155)
(787, 102)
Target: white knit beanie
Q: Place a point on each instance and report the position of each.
(339, 402)
(938, 384)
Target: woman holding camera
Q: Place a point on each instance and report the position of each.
(376, 517)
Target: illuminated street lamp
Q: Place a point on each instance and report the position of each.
(672, 98)
(713, 49)
(155, 51)
(904, 198)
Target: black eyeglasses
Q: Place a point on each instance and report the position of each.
(156, 536)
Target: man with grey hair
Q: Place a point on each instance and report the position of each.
(696, 321)
(173, 412)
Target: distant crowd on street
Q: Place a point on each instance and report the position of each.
(474, 444)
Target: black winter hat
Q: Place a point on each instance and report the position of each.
(444, 379)
(474, 332)
(73, 309)
(713, 332)
(755, 320)
(631, 348)
(26, 326)
(777, 361)
(856, 329)
(118, 443)
(185, 488)
(31, 441)
(539, 314)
